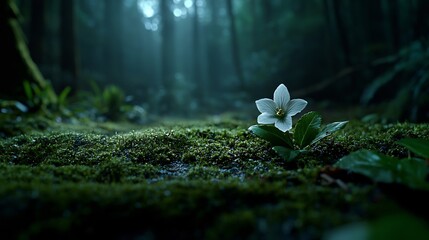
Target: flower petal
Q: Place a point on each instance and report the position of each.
(284, 124)
(266, 118)
(281, 96)
(266, 105)
(295, 106)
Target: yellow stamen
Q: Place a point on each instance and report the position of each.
(280, 112)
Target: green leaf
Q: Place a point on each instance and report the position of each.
(37, 91)
(49, 95)
(307, 128)
(381, 168)
(401, 225)
(417, 146)
(62, 98)
(28, 90)
(380, 81)
(328, 130)
(287, 153)
(272, 135)
(95, 88)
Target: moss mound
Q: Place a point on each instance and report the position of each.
(188, 180)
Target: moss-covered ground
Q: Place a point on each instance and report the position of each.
(183, 180)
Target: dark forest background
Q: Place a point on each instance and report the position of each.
(208, 56)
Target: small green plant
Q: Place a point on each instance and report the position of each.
(411, 171)
(110, 102)
(289, 141)
(45, 99)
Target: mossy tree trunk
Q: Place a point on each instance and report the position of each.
(17, 64)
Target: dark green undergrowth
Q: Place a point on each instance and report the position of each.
(184, 180)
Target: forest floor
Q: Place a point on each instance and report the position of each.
(207, 179)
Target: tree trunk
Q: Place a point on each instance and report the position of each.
(213, 50)
(421, 23)
(341, 31)
(167, 57)
(201, 90)
(331, 37)
(267, 11)
(234, 44)
(17, 63)
(395, 32)
(37, 27)
(113, 51)
(256, 26)
(69, 51)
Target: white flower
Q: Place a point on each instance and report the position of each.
(280, 111)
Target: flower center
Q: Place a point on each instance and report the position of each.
(280, 112)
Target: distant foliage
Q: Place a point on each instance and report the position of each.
(409, 75)
(109, 101)
(45, 99)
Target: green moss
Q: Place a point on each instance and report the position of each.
(46, 174)
(190, 180)
(378, 137)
